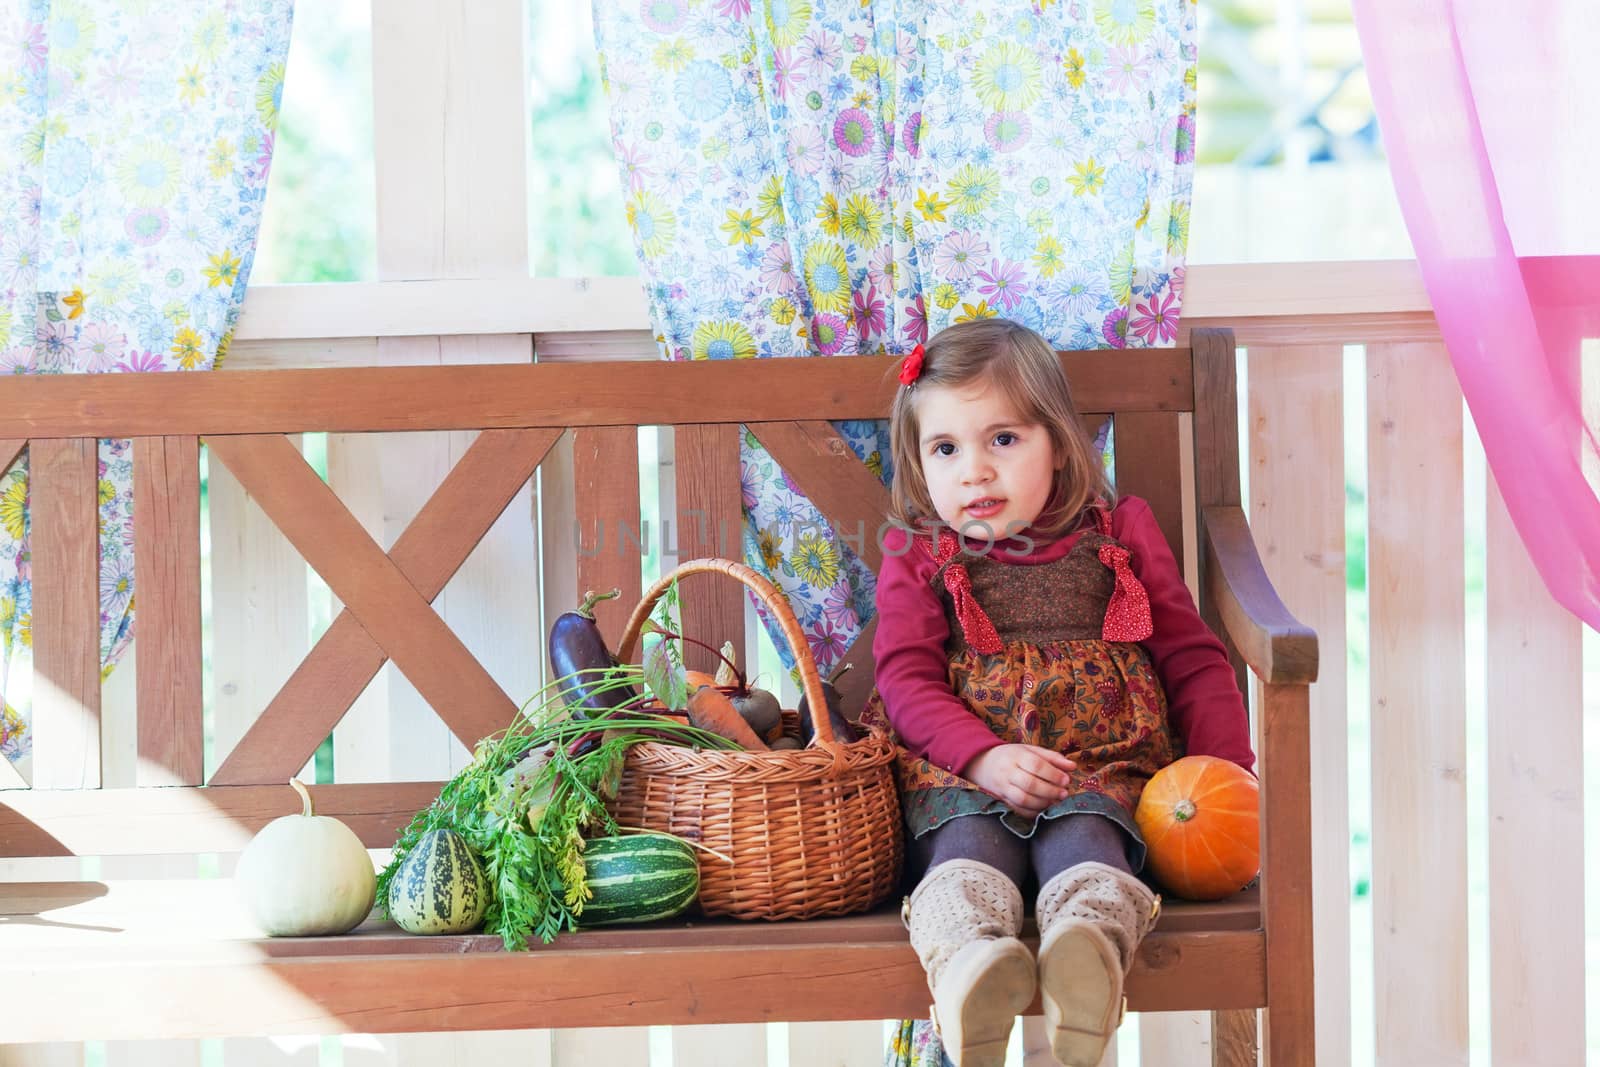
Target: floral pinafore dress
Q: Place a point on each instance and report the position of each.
(1047, 654)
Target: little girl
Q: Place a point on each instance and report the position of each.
(1038, 659)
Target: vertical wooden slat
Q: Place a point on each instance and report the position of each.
(524, 1049)
(1535, 769)
(302, 1050)
(1174, 1038)
(66, 614)
(606, 491)
(448, 139)
(1233, 1038)
(166, 517)
(1036, 1050)
(173, 1053)
(712, 1046)
(666, 477)
(1149, 465)
(362, 738)
(1296, 450)
(1419, 836)
(708, 517)
(620, 1045)
(847, 1044)
(1191, 525)
(258, 607)
(558, 520)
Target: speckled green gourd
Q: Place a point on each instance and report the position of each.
(440, 888)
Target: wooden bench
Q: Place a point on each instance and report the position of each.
(88, 960)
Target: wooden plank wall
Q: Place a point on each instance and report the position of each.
(449, 124)
(1419, 788)
(1295, 444)
(1535, 743)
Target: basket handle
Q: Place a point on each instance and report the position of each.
(777, 604)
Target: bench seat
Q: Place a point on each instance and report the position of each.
(180, 958)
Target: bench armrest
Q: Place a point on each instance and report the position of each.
(1278, 647)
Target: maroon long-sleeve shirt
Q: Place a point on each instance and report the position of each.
(1203, 702)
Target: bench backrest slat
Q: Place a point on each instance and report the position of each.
(708, 523)
(65, 562)
(166, 516)
(609, 537)
(1149, 464)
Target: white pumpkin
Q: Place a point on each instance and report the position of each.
(306, 874)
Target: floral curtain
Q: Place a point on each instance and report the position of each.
(839, 177)
(135, 141)
(834, 177)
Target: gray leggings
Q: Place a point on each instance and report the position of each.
(1057, 844)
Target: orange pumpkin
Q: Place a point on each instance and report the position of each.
(1201, 820)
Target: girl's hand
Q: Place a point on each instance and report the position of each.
(1027, 777)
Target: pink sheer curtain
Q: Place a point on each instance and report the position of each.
(1493, 139)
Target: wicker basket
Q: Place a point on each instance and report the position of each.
(810, 832)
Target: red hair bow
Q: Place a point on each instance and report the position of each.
(911, 366)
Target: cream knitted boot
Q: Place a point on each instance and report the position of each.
(1091, 920)
(964, 919)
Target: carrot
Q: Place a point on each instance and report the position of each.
(710, 709)
(698, 678)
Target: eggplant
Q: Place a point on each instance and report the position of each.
(843, 729)
(576, 644)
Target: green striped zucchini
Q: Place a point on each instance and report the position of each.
(440, 888)
(636, 878)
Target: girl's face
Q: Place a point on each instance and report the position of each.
(989, 472)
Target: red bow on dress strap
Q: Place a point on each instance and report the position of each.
(975, 625)
(1128, 612)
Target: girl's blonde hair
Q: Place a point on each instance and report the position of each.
(1009, 357)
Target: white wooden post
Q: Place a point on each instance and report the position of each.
(1296, 458)
(1419, 787)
